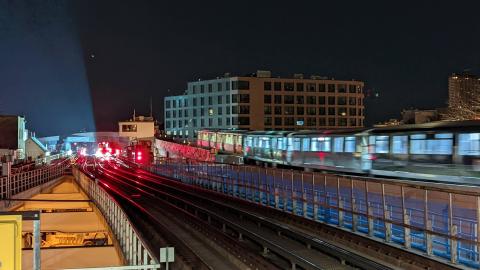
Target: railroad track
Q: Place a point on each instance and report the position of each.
(200, 246)
(288, 248)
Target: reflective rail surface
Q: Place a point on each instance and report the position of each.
(135, 252)
(23, 181)
(441, 223)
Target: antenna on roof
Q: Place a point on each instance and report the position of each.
(151, 107)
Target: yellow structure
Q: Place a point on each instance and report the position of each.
(11, 242)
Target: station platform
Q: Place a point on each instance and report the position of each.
(74, 234)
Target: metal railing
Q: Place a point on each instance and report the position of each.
(19, 182)
(439, 222)
(134, 250)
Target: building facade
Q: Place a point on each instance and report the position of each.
(463, 96)
(262, 102)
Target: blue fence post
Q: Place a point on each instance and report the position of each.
(406, 221)
(428, 225)
(353, 207)
(315, 199)
(339, 204)
(453, 231)
(293, 197)
(284, 193)
(304, 199)
(386, 216)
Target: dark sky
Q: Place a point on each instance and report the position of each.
(142, 49)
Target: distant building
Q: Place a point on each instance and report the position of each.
(139, 127)
(262, 102)
(419, 116)
(34, 149)
(12, 137)
(51, 142)
(463, 96)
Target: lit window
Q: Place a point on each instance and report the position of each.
(210, 111)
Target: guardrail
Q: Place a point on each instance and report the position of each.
(136, 254)
(439, 222)
(23, 181)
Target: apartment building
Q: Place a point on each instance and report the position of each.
(263, 102)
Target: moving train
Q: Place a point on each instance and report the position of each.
(445, 150)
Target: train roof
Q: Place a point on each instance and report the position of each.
(270, 133)
(468, 125)
(347, 131)
(237, 131)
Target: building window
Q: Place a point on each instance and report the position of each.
(321, 87)
(289, 110)
(331, 122)
(129, 128)
(180, 123)
(244, 98)
(300, 87)
(227, 99)
(168, 124)
(278, 121)
(194, 88)
(267, 99)
(227, 86)
(352, 122)
(342, 122)
(228, 121)
(267, 86)
(219, 87)
(267, 110)
(185, 102)
(352, 101)
(243, 121)
(278, 99)
(174, 113)
(342, 101)
(342, 111)
(322, 122)
(174, 124)
(331, 111)
(174, 104)
(219, 121)
(210, 88)
(331, 100)
(311, 87)
(321, 100)
(321, 111)
(210, 122)
(210, 111)
(227, 109)
(311, 111)
(194, 101)
(240, 85)
(288, 86)
(300, 110)
(277, 86)
(167, 104)
(289, 121)
(202, 101)
(300, 99)
(202, 111)
(288, 99)
(278, 110)
(342, 88)
(311, 100)
(194, 122)
(220, 110)
(352, 112)
(234, 109)
(194, 112)
(219, 99)
(167, 114)
(244, 109)
(351, 88)
(267, 121)
(331, 88)
(234, 98)
(202, 122)
(202, 89)
(210, 100)
(311, 121)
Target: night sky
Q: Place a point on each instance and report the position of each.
(81, 65)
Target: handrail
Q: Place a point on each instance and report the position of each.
(133, 247)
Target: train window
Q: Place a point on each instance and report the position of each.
(281, 143)
(306, 144)
(248, 141)
(349, 144)
(380, 143)
(440, 145)
(469, 144)
(293, 144)
(321, 144)
(399, 144)
(338, 144)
